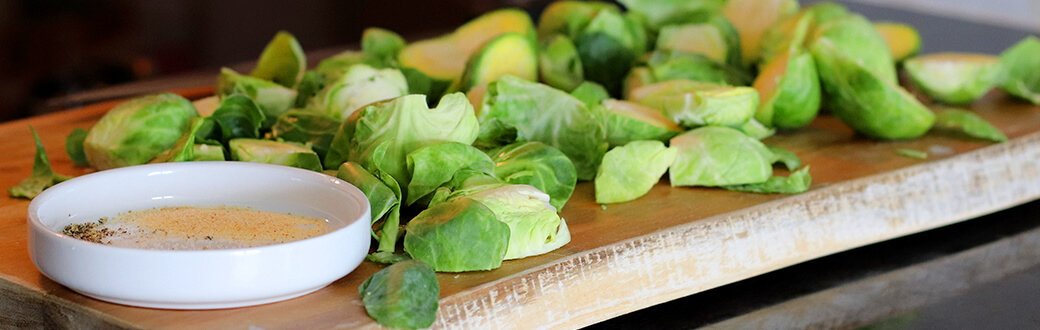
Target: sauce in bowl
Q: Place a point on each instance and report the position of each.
(197, 228)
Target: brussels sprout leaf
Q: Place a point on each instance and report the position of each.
(74, 147)
(969, 123)
(457, 236)
(798, 182)
(432, 166)
(42, 175)
(403, 295)
(789, 159)
(630, 171)
(282, 61)
(538, 165)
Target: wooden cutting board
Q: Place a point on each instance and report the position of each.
(671, 243)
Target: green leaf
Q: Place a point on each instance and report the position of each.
(798, 182)
(272, 152)
(237, 117)
(719, 156)
(74, 147)
(789, 159)
(590, 93)
(382, 44)
(1022, 69)
(969, 123)
(630, 171)
(184, 149)
(538, 165)
(435, 165)
(534, 226)
(273, 99)
(387, 257)
(42, 176)
(380, 197)
(311, 83)
(541, 113)
(917, 154)
(403, 295)
(457, 236)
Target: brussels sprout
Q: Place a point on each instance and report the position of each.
(511, 53)
(969, 123)
(866, 102)
(559, 64)
(826, 11)
(590, 93)
(136, 131)
(311, 84)
(459, 235)
(656, 93)
(664, 12)
(435, 165)
(272, 152)
(798, 182)
(272, 98)
(403, 295)
(282, 61)
(536, 112)
(569, 17)
(42, 176)
(534, 226)
(608, 46)
(1023, 70)
(853, 37)
(715, 38)
(902, 39)
(335, 66)
(360, 85)
(789, 90)
(752, 18)
(305, 127)
(74, 147)
(630, 171)
(955, 78)
(627, 121)
(205, 106)
(207, 152)
(382, 44)
(444, 58)
(381, 135)
(719, 156)
(672, 65)
(535, 164)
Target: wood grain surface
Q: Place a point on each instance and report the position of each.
(671, 243)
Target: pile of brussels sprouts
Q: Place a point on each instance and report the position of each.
(467, 145)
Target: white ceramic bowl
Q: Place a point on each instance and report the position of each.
(204, 279)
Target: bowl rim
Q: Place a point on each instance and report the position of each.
(36, 223)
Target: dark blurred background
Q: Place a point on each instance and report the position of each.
(52, 51)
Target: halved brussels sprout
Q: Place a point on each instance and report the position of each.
(630, 171)
(534, 226)
(671, 65)
(272, 152)
(569, 17)
(627, 121)
(136, 131)
(1023, 70)
(282, 61)
(382, 44)
(789, 90)
(790, 32)
(663, 12)
(955, 78)
(637, 77)
(306, 127)
(719, 156)
(704, 105)
(590, 93)
(359, 86)
(608, 46)
(715, 38)
(866, 102)
(969, 123)
(855, 38)
(559, 64)
(511, 53)
(751, 18)
(444, 58)
(902, 39)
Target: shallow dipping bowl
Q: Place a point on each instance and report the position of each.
(199, 279)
